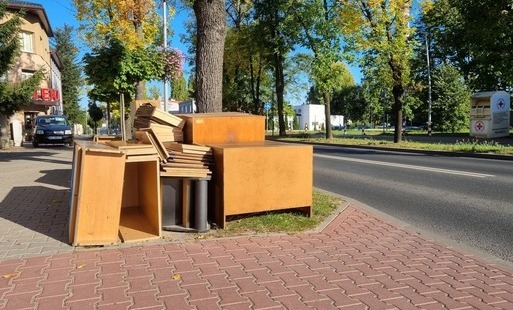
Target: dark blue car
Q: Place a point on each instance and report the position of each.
(52, 129)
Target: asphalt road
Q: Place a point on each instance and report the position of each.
(468, 201)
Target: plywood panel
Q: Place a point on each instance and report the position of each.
(258, 177)
(227, 127)
(75, 185)
(99, 197)
(149, 194)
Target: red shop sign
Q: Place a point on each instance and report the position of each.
(46, 94)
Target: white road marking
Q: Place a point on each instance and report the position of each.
(430, 169)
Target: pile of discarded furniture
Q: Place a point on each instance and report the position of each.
(181, 173)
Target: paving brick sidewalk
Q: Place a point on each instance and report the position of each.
(357, 262)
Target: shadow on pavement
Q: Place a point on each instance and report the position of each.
(29, 153)
(41, 209)
(58, 177)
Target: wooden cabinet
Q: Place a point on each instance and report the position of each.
(97, 186)
(226, 127)
(114, 195)
(261, 176)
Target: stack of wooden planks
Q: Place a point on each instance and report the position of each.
(164, 131)
(167, 127)
(187, 160)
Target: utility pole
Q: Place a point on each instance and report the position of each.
(165, 48)
(429, 86)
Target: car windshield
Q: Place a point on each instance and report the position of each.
(52, 121)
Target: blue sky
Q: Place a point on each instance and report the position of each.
(62, 12)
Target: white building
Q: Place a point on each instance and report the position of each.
(337, 121)
(187, 106)
(172, 106)
(310, 116)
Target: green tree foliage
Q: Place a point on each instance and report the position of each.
(95, 115)
(246, 69)
(474, 36)
(9, 29)
(113, 69)
(134, 22)
(350, 102)
(320, 33)
(450, 100)
(279, 31)
(381, 30)
(179, 89)
(71, 72)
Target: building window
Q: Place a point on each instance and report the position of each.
(26, 40)
(25, 74)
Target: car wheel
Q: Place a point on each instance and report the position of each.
(35, 144)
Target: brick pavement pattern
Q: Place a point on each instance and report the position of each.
(34, 195)
(358, 261)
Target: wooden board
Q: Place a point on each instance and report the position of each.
(174, 164)
(105, 138)
(226, 127)
(135, 226)
(130, 148)
(257, 177)
(188, 148)
(159, 116)
(75, 185)
(184, 173)
(147, 136)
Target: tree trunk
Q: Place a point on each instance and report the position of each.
(398, 91)
(280, 89)
(211, 33)
(327, 114)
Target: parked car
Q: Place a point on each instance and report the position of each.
(52, 129)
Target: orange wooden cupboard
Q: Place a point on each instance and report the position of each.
(261, 176)
(115, 194)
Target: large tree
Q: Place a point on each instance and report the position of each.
(132, 22)
(381, 29)
(450, 100)
(279, 32)
(12, 95)
(320, 28)
(246, 80)
(475, 35)
(71, 72)
(210, 36)
(121, 69)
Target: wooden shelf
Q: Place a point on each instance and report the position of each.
(135, 226)
(141, 205)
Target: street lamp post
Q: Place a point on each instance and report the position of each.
(429, 86)
(165, 48)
